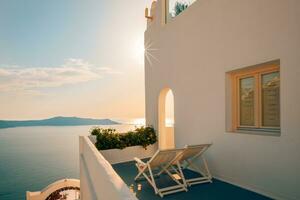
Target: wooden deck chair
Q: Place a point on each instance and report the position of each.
(188, 158)
(161, 160)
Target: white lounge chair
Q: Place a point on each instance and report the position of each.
(161, 160)
(187, 159)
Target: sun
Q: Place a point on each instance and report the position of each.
(138, 51)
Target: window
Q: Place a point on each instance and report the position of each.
(256, 99)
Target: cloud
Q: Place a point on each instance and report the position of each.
(17, 78)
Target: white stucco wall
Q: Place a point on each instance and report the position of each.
(127, 154)
(98, 180)
(114, 156)
(192, 54)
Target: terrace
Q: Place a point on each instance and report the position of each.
(112, 180)
(216, 190)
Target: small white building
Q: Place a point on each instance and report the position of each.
(233, 69)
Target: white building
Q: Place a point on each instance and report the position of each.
(233, 69)
(195, 55)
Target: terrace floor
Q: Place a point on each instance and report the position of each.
(208, 191)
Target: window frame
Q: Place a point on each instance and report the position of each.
(257, 73)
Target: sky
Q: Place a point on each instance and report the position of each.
(72, 58)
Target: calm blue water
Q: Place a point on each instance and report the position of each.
(33, 157)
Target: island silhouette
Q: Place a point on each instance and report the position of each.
(56, 121)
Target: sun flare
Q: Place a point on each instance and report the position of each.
(138, 51)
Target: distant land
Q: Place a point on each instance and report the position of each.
(57, 121)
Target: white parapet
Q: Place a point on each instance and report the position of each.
(114, 156)
(124, 155)
(98, 180)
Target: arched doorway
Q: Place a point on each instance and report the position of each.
(166, 138)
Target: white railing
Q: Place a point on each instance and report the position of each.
(98, 180)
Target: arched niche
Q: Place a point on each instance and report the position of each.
(166, 123)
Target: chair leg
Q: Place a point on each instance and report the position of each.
(206, 168)
(161, 171)
(181, 174)
(152, 178)
(162, 191)
(174, 179)
(204, 172)
(140, 172)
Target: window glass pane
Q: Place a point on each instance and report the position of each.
(175, 7)
(270, 100)
(247, 101)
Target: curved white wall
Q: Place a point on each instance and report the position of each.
(42, 195)
(98, 180)
(194, 52)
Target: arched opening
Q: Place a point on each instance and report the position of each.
(166, 123)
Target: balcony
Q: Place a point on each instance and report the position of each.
(103, 180)
(215, 190)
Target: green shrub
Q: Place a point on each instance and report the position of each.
(111, 139)
(179, 7)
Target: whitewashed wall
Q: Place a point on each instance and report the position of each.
(98, 180)
(192, 54)
(124, 155)
(114, 156)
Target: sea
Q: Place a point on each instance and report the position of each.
(31, 158)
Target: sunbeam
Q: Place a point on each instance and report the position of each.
(149, 52)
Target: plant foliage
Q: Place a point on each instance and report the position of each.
(179, 7)
(111, 139)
